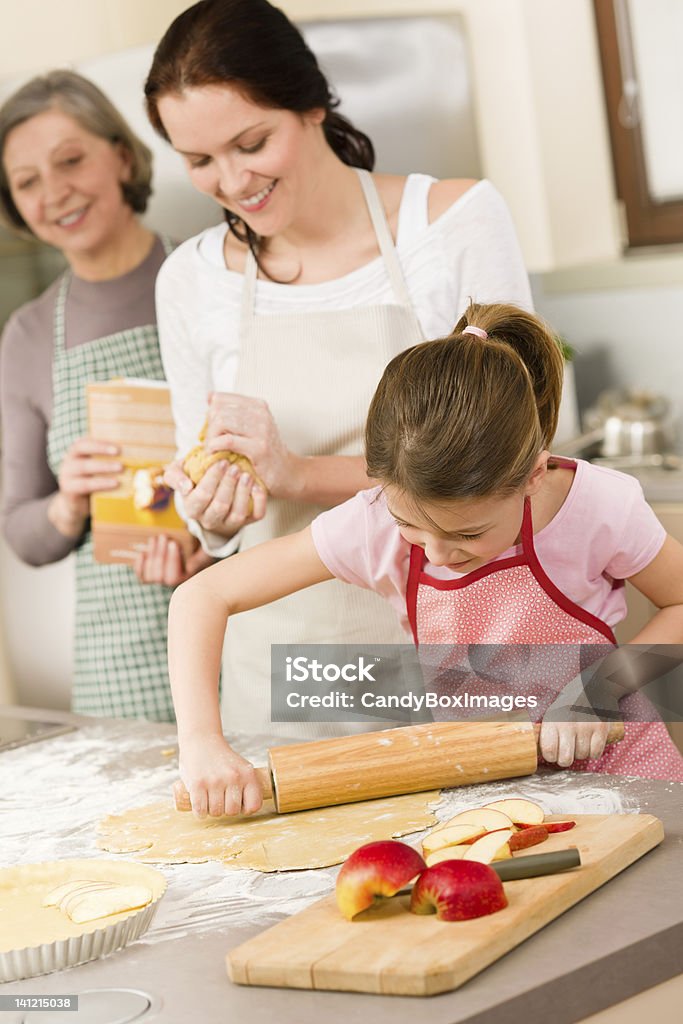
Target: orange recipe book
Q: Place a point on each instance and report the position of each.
(135, 415)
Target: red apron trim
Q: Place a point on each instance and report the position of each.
(416, 560)
(416, 577)
(471, 577)
(553, 592)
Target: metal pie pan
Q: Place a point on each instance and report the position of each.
(97, 939)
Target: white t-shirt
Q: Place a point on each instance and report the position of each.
(469, 252)
(604, 532)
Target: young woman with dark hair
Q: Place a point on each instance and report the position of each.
(282, 319)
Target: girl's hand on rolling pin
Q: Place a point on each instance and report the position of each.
(162, 562)
(220, 501)
(245, 425)
(573, 727)
(218, 780)
(88, 466)
(562, 743)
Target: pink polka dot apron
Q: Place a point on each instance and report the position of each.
(512, 601)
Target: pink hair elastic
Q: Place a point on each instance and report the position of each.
(478, 331)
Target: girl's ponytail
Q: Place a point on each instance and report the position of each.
(537, 347)
(468, 415)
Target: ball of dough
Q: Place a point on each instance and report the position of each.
(198, 461)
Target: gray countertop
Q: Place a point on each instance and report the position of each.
(624, 938)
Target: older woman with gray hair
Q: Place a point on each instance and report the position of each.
(73, 175)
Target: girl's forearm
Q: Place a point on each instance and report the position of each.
(665, 627)
(196, 627)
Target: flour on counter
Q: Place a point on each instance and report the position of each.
(55, 792)
(557, 792)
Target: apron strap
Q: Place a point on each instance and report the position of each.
(167, 243)
(386, 248)
(384, 239)
(248, 305)
(527, 529)
(414, 572)
(544, 581)
(59, 331)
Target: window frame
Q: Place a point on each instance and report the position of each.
(648, 221)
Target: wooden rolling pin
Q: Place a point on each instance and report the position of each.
(412, 759)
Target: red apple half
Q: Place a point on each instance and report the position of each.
(375, 869)
(458, 890)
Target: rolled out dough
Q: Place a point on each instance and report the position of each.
(266, 841)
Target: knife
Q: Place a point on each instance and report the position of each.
(528, 867)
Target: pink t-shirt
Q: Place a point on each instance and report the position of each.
(605, 532)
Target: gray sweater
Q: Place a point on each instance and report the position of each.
(93, 310)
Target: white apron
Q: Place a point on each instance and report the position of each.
(318, 373)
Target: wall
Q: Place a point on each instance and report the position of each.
(623, 337)
(39, 33)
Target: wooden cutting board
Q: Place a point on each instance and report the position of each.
(389, 951)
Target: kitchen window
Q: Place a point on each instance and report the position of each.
(639, 43)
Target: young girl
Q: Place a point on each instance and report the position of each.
(476, 536)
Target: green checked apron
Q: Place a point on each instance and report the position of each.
(120, 660)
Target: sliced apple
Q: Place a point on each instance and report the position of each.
(115, 899)
(451, 836)
(559, 826)
(492, 846)
(488, 820)
(55, 896)
(520, 812)
(458, 890)
(528, 837)
(447, 853)
(375, 869)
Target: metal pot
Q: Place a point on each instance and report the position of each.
(626, 423)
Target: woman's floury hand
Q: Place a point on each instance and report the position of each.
(224, 500)
(245, 425)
